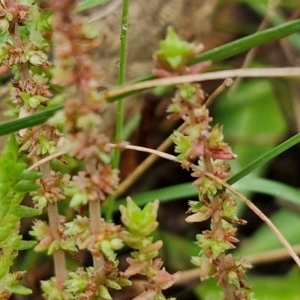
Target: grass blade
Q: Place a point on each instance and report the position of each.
(269, 187)
(33, 120)
(248, 42)
(265, 158)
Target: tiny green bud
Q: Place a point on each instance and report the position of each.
(77, 283)
(46, 146)
(53, 292)
(183, 145)
(107, 250)
(187, 92)
(37, 58)
(104, 293)
(174, 108)
(138, 220)
(4, 25)
(113, 284)
(79, 199)
(173, 50)
(116, 244)
(35, 101)
(90, 31)
(233, 279)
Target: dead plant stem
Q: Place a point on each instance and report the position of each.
(95, 224)
(114, 93)
(220, 89)
(54, 222)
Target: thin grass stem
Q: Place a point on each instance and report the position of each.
(120, 109)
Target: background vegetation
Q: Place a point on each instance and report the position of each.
(261, 121)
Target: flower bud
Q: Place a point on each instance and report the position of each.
(4, 25)
(37, 58)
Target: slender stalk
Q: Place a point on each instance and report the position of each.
(95, 223)
(219, 90)
(98, 259)
(114, 94)
(47, 159)
(53, 215)
(121, 79)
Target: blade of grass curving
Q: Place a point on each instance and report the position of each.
(115, 93)
(269, 187)
(244, 44)
(265, 158)
(276, 19)
(33, 120)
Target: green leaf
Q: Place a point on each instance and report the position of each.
(26, 186)
(4, 207)
(177, 250)
(248, 42)
(265, 158)
(287, 222)
(276, 18)
(5, 232)
(10, 153)
(24, 245)
(276, 287)
(19, 289)
(22, 211)
(269, 187)
(30, 175)
(36, 119)
(3, 271)
(173, 50)
(187, 190)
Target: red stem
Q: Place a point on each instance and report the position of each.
(217, 229)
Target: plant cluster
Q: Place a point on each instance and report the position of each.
(201, 142)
